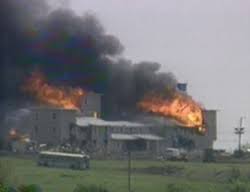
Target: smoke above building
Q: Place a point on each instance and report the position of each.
(70, 52)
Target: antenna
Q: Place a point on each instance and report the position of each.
(240, 131)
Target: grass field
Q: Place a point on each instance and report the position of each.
(147, 176)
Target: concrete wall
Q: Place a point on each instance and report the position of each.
(50, 125)
(207, 141)
(201, 141)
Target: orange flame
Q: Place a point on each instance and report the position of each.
(180, 107)
(65, 97)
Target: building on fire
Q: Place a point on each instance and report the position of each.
(86, 130)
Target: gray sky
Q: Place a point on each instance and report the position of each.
(203, 42)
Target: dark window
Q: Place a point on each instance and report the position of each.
(53, 115)
(36, 129)
(36, 116)
(54, 130)
(84, 143)
(130, 130)
(70, 129)
(126, 130)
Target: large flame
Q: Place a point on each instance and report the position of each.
(180, 107)
(65, 97)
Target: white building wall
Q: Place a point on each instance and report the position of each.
(50, 125)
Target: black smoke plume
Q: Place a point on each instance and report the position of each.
(70, 50)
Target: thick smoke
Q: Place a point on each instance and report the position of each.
(70, 50)
(16, 17)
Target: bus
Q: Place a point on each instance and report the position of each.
(63, 160)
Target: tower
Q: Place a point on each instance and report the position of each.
(91, 105)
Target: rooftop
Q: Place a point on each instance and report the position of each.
(130, 137)
(92, 121)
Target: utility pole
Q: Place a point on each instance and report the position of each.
(129, 170)
(240, 131)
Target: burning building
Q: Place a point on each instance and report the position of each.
(58, 58)
(84, 128)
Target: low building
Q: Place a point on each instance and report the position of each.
(109, 138)
(180, 136)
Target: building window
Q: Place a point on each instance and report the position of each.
(130, 130)
(70, 129)
(84, 143)
(36, 129)
(126, 130)
(136, 130)
(54, 130)
(36, 116)
(80, 130)
(53, 115)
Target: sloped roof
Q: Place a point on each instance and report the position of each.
(148, 137)
(118, 136)
(129, 137)
(92, 121)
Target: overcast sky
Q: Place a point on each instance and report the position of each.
(203, 42)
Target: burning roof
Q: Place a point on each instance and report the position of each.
(180, 107)
(65, 97)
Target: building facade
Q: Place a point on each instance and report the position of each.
(50, 125)
(86, 130)
(111, 138)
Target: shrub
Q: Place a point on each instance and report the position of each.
(175, 188)
(238, 154)
(29, 188)
(239, 187)
(90, 188)
(209, 156)
(5, 171)
(173, 169)
(234, 175)
(3, 188)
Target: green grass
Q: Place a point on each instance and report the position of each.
(197, 177)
